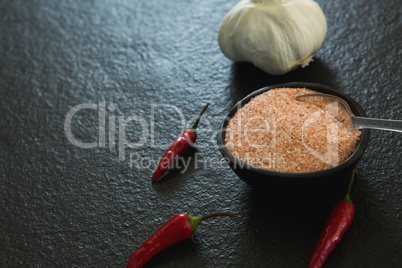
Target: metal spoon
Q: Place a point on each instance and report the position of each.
(358, 121)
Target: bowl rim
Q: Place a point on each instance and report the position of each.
(352, 160)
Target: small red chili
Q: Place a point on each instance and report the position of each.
(178, 228)
(338, 223)
(178, 147)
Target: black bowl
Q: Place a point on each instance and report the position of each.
(330, 182)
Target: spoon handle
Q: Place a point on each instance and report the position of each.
(385, 124)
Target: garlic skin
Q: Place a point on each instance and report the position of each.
(275, 35)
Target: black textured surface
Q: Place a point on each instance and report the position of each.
(62, 205)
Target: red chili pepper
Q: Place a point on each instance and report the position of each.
(338, 223)
(180, 227)
(178, 147)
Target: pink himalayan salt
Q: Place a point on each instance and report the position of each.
(277, 132)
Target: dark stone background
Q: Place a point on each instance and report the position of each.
(62, 205)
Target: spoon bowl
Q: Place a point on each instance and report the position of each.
(354, 121)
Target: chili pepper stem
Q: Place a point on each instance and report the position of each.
(347, 197)
(194, 127)
(195, 221)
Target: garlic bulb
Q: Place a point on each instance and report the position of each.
(275, 35)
